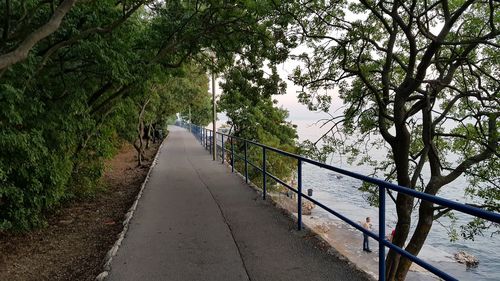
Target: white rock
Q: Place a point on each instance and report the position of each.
(307, 207)
(102, 276)
(466, 258)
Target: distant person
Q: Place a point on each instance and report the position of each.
(391, 237)
(368, 226)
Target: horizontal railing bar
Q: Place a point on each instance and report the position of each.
(238, 157)
(491, 216)
(255, 166)
(376, 237)
(369, 233)
(281, 182)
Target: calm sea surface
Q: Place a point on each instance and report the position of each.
(341, 193)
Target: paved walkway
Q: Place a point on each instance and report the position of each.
(197, 221)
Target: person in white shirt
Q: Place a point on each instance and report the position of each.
(368, 226)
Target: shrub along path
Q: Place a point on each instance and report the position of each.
(78, 236)
(197, 221)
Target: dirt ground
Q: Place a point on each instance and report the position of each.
(74, 244)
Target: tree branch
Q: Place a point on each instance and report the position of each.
(88, 32)
(485, 154)
(22, 51)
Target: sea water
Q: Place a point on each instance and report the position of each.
(341, 194)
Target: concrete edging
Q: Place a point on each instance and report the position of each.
(128, 217)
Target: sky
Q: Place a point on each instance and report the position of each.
(289, 101)
(299, 114)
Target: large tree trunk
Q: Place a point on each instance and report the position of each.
(140, 134)
(148, 139)
(139, 153)
(417, 241)
(404, 203)
(139, 144)
(404, 206)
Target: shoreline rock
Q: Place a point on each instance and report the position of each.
(466, 258)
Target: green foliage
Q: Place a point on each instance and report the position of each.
(108, 73)
(247, 101)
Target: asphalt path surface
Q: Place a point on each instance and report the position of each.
(198, 221)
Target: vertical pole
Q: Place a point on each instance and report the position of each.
(299, 194)
(381, 233)
(264, 173)
(190, 130)
(232, 155)
(211, 142)
(222, 148)
(246, 162)
(214, 116)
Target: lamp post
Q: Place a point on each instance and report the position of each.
(214, 116)
(190, 119)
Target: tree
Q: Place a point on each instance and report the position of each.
(416, 77)
(72, 77)
(247, 100)
(164, 95)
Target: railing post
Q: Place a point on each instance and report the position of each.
(246, 162)
(222, 148)
(264, 173)
(232, 155)
(299, 194)
(381, 233)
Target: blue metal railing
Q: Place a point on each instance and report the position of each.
(204, 135)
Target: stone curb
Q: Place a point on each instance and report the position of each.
(128, 216)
